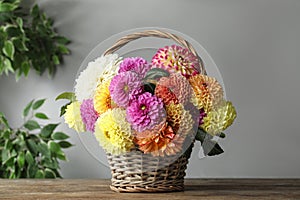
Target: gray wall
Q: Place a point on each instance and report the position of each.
(255, 43)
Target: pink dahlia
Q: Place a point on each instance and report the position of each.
(173, 89)
(137, 64)
(122, 86)
(145, 112)
(176, 59)
(88, 114)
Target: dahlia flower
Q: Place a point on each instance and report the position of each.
(145, 112)
(173, 89)
(176, 59)
(179, 119)
(88, 114)
(122, 85)
(219, 119)
(137, 65)
(208, 93)
(96, 71)
(73, 117)
(113, 132)
(102, 98)
(160, 141)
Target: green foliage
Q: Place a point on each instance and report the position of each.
(151, 78)
(33, 150)
(28, 41)
(209, 146)
(70, 96)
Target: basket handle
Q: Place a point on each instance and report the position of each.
(155, 33)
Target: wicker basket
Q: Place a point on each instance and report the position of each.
(138, 172)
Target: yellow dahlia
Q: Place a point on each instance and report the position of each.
(219, 119)
(73, 117)
(179, 119)
(208, 93)
(113, 132)
(102, 99)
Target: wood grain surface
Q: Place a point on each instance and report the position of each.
(206, 189)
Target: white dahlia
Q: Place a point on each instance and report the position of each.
(97, 71)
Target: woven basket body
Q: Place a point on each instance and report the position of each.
(137, 172)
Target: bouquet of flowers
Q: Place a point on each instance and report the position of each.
(154, 107)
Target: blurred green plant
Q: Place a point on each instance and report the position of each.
(28, 41)
(33, 150)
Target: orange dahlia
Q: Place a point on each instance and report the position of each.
(208, 93)
(173, 89)
(168, 137)
(160, 141)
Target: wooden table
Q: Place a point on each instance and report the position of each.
(195, 189)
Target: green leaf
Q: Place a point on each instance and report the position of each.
(35, 11)
(7, 7)
(53, 164)
(32, 146)
(3, 120)
(41, 116)
(59, 136)
(8, 144)
(38, 104)
(48, 130)
(29, 158)
(31, 171)
(62, 40)
(19, 44)
(221, 135)
(19, 21)
(54, 147)
(61, 156)
(9, 49)
(12, 175)
(63, 49)
(211, 148)
(65, 144)
(44, 150)
(5, 156)
(202, 135)
(149, 87)
(55, 59)
(25, 68)
(31, 125)
(2, 66)
(27, 108)
(8, 66)
(18, 74)
(66, 95)
(63, 109)
(156, 74)
(21, 159)
(39, 174)
(49, 173)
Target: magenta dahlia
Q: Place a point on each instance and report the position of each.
(145, 112)
(137, 64)
(122, 86)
